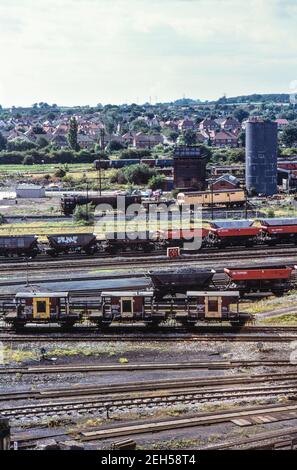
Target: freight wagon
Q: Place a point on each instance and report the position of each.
(120, 242)
(72, 243)
(180, 237)
(142, 306)
(69, 203)
(126, 306)
(42, 307)
(25, 245)
(282, 230)
(225, 198)
(168, 282)
(225, 233)
(275, 279)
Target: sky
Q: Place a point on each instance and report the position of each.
(78, 52)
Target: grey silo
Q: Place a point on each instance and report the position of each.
(261, 156)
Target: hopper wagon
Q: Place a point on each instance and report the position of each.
(72, 243)
(25, 245)
(275, 279)
(224, 233)
(168, 282)
(279, 230)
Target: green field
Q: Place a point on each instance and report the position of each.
(47, 167)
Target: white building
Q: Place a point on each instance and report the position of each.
(30, 191)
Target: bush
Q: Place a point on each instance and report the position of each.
(270, 213)
(118, 176)
(84, 214)
(134, 153)
(157, 182)
(28, 160)
(60, 173)
(139, 174)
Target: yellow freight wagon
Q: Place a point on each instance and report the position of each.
(226, 198)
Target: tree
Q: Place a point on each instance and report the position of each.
(3, 142)
(72, 134)
(138, 174)
(157, 182)
(42, 142)
(38, 130)
(188, 137)
(240, 114)
(241, 138)
(20, 145)
(173, 135)
(114, 145)
(289, 136)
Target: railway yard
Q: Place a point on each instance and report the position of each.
(109, 344)
(134, 383)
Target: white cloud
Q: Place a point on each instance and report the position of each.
(85, 51)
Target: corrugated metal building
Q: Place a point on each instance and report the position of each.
(30, 191)
(261, 156)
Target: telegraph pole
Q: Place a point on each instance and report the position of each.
(101, 144)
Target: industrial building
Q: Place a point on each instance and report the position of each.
(287, 174)
(30, 191)
(261, 156)
(189, 168)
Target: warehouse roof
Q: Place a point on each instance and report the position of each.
(29, 186)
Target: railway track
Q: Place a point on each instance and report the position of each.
(118, 398)
(270, 440)
(155, 258)
(83, 368)
(279, 412)
(113, 338)
(199, 333)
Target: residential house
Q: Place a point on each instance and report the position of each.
(142, 140)
(186, 124)
(208, 124)
(231, 124)
(225, 182)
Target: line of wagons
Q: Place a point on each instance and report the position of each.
(188, 296)
(220, 234)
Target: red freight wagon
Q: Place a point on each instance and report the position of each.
(233, 232)
(275, 231)
(180, 236)
(261, 279)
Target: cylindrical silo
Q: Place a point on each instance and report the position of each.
(261, 157)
